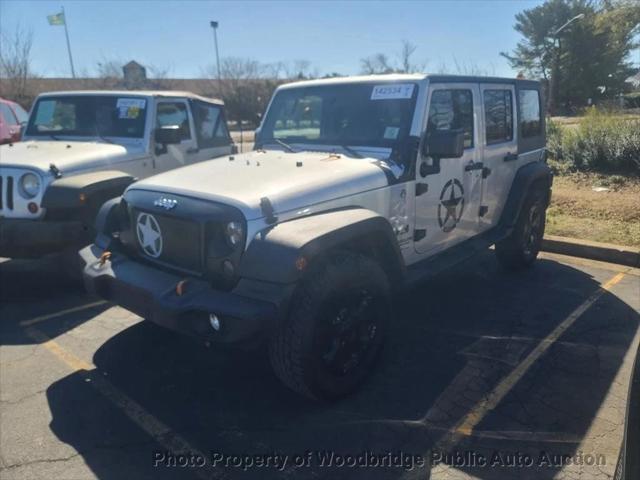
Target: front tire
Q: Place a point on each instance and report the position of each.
(337, 322)
(521, 248)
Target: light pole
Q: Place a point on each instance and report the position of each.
(214, 26)
(554, 85)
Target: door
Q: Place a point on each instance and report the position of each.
(448, 190)
(500, 148)
(167, 157)
(211, 130)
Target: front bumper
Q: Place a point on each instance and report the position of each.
(22, 238)
(151, 294)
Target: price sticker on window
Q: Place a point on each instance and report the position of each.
(130, 107)
(392, 91)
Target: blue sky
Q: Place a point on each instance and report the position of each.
(332, 35)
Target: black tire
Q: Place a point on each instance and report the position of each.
(335, 328)
(521, 248)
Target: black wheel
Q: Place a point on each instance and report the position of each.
(335, 328)
(521, 248)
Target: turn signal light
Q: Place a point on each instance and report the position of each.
(180, 287)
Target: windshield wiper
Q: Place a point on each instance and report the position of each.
(351, 151)
(100, 136)
(286, 146)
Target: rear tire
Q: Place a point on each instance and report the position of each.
(337, 322)
(520, 249)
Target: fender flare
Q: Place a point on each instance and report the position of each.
(108, 220)
(81, 196)
(526, 176)
(273, 253)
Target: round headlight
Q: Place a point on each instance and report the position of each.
(234, 233)
(29, 185)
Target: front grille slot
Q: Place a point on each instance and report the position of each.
(10, 193)
(181, 242)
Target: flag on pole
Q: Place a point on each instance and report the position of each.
(57, 19)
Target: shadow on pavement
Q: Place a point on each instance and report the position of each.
(230, 402)
(34, 288)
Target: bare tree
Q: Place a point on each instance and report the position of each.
(380, 63)
(15, 64)
(407, 51)
(465, 68)
(375, 64)
(109, 68)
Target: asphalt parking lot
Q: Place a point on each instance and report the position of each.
(480, 364)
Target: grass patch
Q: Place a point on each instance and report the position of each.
(610, 216)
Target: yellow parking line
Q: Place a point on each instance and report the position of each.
(43, 318)
(466, 425)
(153, 427)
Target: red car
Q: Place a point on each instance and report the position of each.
(12, 119)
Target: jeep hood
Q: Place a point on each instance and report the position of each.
(289, 180)
(68, 156)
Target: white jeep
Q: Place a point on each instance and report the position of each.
(356, 187)
(83, 148)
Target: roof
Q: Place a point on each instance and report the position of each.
(408, 77)
(134, 93)
(133, 63)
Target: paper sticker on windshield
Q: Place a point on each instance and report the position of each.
(130, 108)
(391, 133)
(392, 91)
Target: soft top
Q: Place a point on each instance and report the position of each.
(134, 93)
(413, 77)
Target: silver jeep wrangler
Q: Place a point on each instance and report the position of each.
(83, 148)
(356, 187)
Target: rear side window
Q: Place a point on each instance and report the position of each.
(174, 114)
(530, 121)
(498, 116)
(452, 110)
(211, 128)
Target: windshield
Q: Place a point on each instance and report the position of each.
(362, 114)
(89, 116)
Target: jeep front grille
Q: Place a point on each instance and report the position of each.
(6, 192)
(182, 242)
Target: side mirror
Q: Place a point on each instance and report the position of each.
(443, 144)
(168, 134)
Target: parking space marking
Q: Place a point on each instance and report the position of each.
(44, 318)
(480, 410)
(587, 262)
(153, 427)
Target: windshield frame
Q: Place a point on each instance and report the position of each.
(32, 132)
(404, 134)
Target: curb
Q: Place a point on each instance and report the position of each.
(605, 252)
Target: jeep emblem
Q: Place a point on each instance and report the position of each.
(149, 234)
(166, 203)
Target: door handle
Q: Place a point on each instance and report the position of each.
(510, 157)
(473, 166)
(193, 150)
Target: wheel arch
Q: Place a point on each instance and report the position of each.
(81, 196)
(283, 253)
(529, 176)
